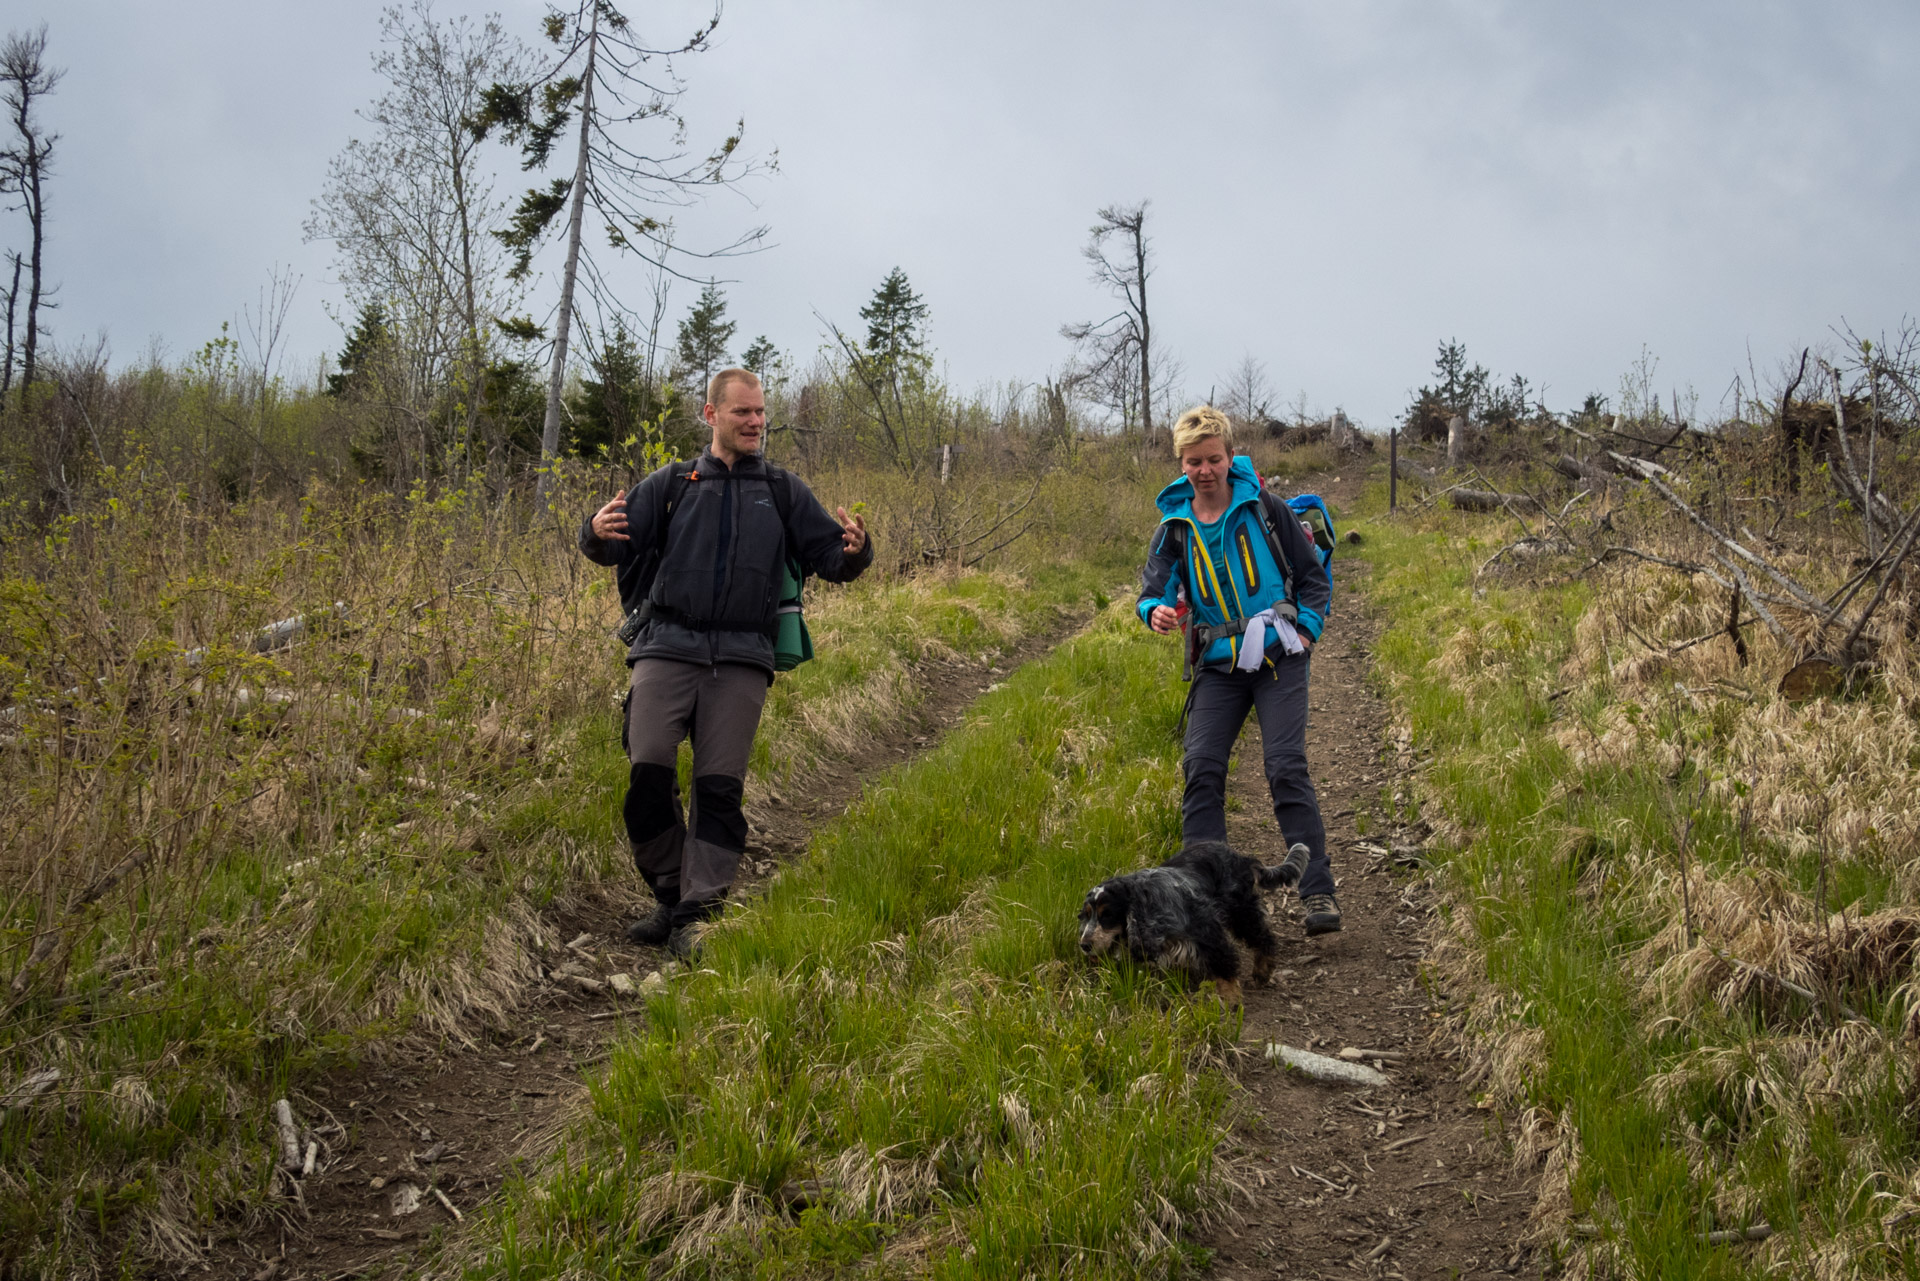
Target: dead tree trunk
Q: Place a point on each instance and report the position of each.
(23, 164)
(1789, 438)
(13, 298)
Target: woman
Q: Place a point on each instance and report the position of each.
(1259, 595)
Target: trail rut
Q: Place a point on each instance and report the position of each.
(443, 1129)
(1410, 1180)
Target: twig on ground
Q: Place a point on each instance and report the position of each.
(1318, 1178)
(290, 1159)
(1787, 985)
(30, 1088)
(452, 1209)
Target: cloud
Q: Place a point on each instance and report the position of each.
(1335, 188)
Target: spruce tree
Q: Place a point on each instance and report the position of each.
(704, 336)
(363, 349)
(762, 357)
(896, 326)
(603, 81)
(616, 403)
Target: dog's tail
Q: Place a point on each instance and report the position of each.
(1286, 872)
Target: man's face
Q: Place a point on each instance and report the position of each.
(739, 421)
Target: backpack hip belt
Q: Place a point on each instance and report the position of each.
(1201, 636)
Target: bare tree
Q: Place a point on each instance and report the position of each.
(1124, 340)
(615, 80)
(1247, 396)
(13, 303)
(409, 210)
(25, 163)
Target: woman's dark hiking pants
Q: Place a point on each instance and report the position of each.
(719, 709)
(1221, 700)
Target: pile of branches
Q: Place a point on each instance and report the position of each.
(1806, 511)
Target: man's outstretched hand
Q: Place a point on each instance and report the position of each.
(610, 522)
(853, 533)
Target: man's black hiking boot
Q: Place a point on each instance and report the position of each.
(1323, 914)
(684, 942)
(652, 931)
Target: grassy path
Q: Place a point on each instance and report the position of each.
(894, 1061)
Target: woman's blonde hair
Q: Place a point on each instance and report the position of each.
(1199, 423)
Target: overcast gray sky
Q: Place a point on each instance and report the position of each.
(1335, 187)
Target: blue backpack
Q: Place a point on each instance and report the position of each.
(1314, 515)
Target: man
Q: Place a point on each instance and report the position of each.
(700, 551)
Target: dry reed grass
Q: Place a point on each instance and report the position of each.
(1771, 889)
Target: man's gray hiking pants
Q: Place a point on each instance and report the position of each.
(719, 709)
(1278, 696)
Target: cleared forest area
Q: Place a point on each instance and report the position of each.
(1660, 678)
(311, 764)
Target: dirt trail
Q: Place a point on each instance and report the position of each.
(1410, 1180)
(453, 1122)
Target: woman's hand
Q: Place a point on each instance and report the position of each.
(1163, 618)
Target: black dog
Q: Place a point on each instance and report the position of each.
(1178, 915)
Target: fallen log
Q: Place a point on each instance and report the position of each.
(1414, 471)
(1574, 469)
(30, 1088)
(1477, 500)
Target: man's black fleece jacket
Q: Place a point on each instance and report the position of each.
(721, 559)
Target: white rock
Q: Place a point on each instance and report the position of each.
(406, 1199)
(1322, 1068)
(622, 984)
(653, 983)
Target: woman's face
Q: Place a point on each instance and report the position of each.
(1205, 463)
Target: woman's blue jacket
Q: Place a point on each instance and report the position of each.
(1250, 581)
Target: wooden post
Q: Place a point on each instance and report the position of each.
(1393, 469)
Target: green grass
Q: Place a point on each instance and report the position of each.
(903, 1024)
(1547, 880)
(192, 999)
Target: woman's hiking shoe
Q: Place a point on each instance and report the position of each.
(652, 931)
(1323, 914)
